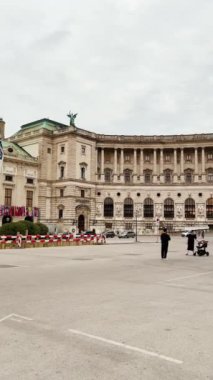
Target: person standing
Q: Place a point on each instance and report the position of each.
(191, 242)
(164, 243)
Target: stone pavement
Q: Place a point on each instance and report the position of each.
(112, 312)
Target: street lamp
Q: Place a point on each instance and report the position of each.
(136, 226)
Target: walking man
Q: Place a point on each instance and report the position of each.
(164, 243)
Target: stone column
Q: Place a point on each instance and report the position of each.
(196, 166)
(115, 174)
(155, 179)
(135, 166)
(182, 165)
(96, 163)
(203, 166)
(122, 166)
(161, 166)
(141, 166)
(102, 164)
(175, 178)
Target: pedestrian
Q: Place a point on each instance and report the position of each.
(191, 242)
(18, 240)
(164, 243)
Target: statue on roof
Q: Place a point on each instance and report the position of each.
(72, 117)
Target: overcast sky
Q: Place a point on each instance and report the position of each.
(125, 66)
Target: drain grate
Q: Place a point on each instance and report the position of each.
(8, 266)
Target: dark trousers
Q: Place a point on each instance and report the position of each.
(164, 250)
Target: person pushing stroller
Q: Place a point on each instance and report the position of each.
(191, 242)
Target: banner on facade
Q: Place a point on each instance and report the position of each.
(1, 156)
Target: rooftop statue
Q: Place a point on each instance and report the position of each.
(72, 117)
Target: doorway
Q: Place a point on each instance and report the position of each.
(81, 223)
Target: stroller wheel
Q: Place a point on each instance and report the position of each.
(207, 253)
(194, 254)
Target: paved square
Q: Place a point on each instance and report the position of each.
(106, 312)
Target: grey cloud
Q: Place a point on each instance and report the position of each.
(126, 66)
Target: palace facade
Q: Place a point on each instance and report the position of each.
(18, 183)
(92, 180)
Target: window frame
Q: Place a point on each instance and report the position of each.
(29, 198)
(8, 197)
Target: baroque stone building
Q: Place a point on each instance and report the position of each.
(92, 180)
(18, 183)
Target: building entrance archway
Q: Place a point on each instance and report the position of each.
(82, 217)
(81, 223)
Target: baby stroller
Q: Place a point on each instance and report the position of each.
(201, 248)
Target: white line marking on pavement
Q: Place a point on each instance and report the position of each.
(126, 346)
(10, 316)
(190, 276)
(21, 316)
(7, 317)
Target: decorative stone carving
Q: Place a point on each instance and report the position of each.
(138, 209)
(118, 210)
(99, 210)
(158, 210)
(200, 210)
(179, 211)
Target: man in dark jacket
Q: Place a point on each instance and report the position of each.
(164, 243)
(191, 242)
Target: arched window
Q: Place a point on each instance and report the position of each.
(128, 208)
(189, 208)
(169, 208)
(209, 208)
(108, 207)
(167, 176)
(148, 208)
(108, 175)
(188, 173)
(127, 175)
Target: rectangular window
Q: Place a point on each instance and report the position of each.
(188, 177)
(83, 149)
(167, 158)
(126, 158)
(128, 226)
(9, 178)
(49, 150)
(8, 197)
(30, 181)
(60, 213)
(147, 158)
(82, 172)
(82, 193)
(108, 226)
(62, 172)
(188, 158)
(62, 149)
(168, 178)
(210, 177)
(61, 193)
(209, 156)
(147, 178)
(29, 199)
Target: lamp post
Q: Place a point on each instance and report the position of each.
(136, 226)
